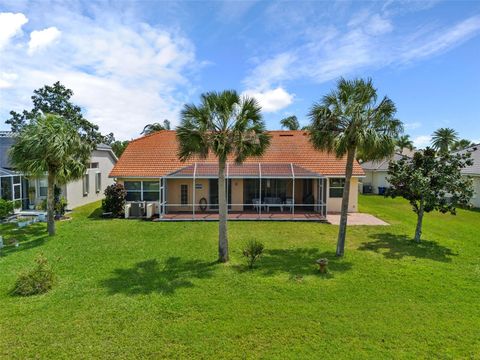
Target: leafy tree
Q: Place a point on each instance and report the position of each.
(223, 124)
(114, 201)
(55, 99)
(462, 144)
(443, 139)
(151, 128)
(404, 142)
(290, 123)
(49, 144)
(430, 182)
(118, 147)
(347, 120)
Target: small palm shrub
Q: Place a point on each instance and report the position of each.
(37, 280)
(6, 208)
(114, 201)
(253, 251)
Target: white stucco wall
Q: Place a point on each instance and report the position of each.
(376, 179)
(476, 188)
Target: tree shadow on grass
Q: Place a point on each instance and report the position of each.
(27, 238)
(394, 246)
(298, 262)
(150, 276)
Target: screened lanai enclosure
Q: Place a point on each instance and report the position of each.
(255, 191)
(13, 187)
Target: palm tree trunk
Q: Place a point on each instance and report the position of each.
(418, 230)
(51, 204)
(222, 214)
(342, 231)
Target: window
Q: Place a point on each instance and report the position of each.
(151, 191)
(134, 190)
(86, 184)
(142, 190)
(98, 182)
(184, 194)
(93, 165)
(336, 187)
(42, 187)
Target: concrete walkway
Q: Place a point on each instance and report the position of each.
(356, 219)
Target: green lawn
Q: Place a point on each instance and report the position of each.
(135, 289)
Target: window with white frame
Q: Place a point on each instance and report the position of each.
(42, 187)
(336, 187)
(86, 184)
(142, 190)
(93, 165)
(98, 182)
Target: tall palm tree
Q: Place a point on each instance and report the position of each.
(151, 128)
(223, 124)
(443, 139)
(347, 120)
(404, 142)
(290, 123)
(51, 145)
(462, 144)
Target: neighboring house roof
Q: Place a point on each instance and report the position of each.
(155, 155)
(382, 165)
(475, 168)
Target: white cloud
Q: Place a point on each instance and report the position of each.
(271, 100)
(422, 141)
(40, 39)
(412, 125)
(366, 43)
(124, 74)
(10, 26)
(6, 79)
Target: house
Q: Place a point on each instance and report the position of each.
(291, 180)
(28, 193)
(376, 172)
(474, 172)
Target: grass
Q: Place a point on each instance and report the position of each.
(134, 289)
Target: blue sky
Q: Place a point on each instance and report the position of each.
(133, 63)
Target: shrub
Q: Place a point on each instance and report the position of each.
(253, 251)
(60, 206)
(37, 280)
(114, 201)
(6, 208)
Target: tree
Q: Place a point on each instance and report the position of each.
(223, 124)
(55, 99)
(404, 142)
(462, 144)
(151, 128)
(290, 123)
(51, 145)
(119, 146)
(443, 139)
(431, 182)
(348, 120)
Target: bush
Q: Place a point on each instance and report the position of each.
(114, 201)
(253, 251)
(37, 280)
(6, 208)
(60, 207)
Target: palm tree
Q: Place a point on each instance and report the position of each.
(51, 145)
(462, 144)
(443, 139)
(404, 142)
(224, 124)
(290, 123)
(348, 120)
(151, 128)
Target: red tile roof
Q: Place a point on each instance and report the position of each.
(155, 155)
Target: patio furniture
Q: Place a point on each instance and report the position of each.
(289, 203)
(257, 204)
(273, 202)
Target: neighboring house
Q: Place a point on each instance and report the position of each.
(474, 172)
(31, 192)
(376, 173)
(290, 178)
